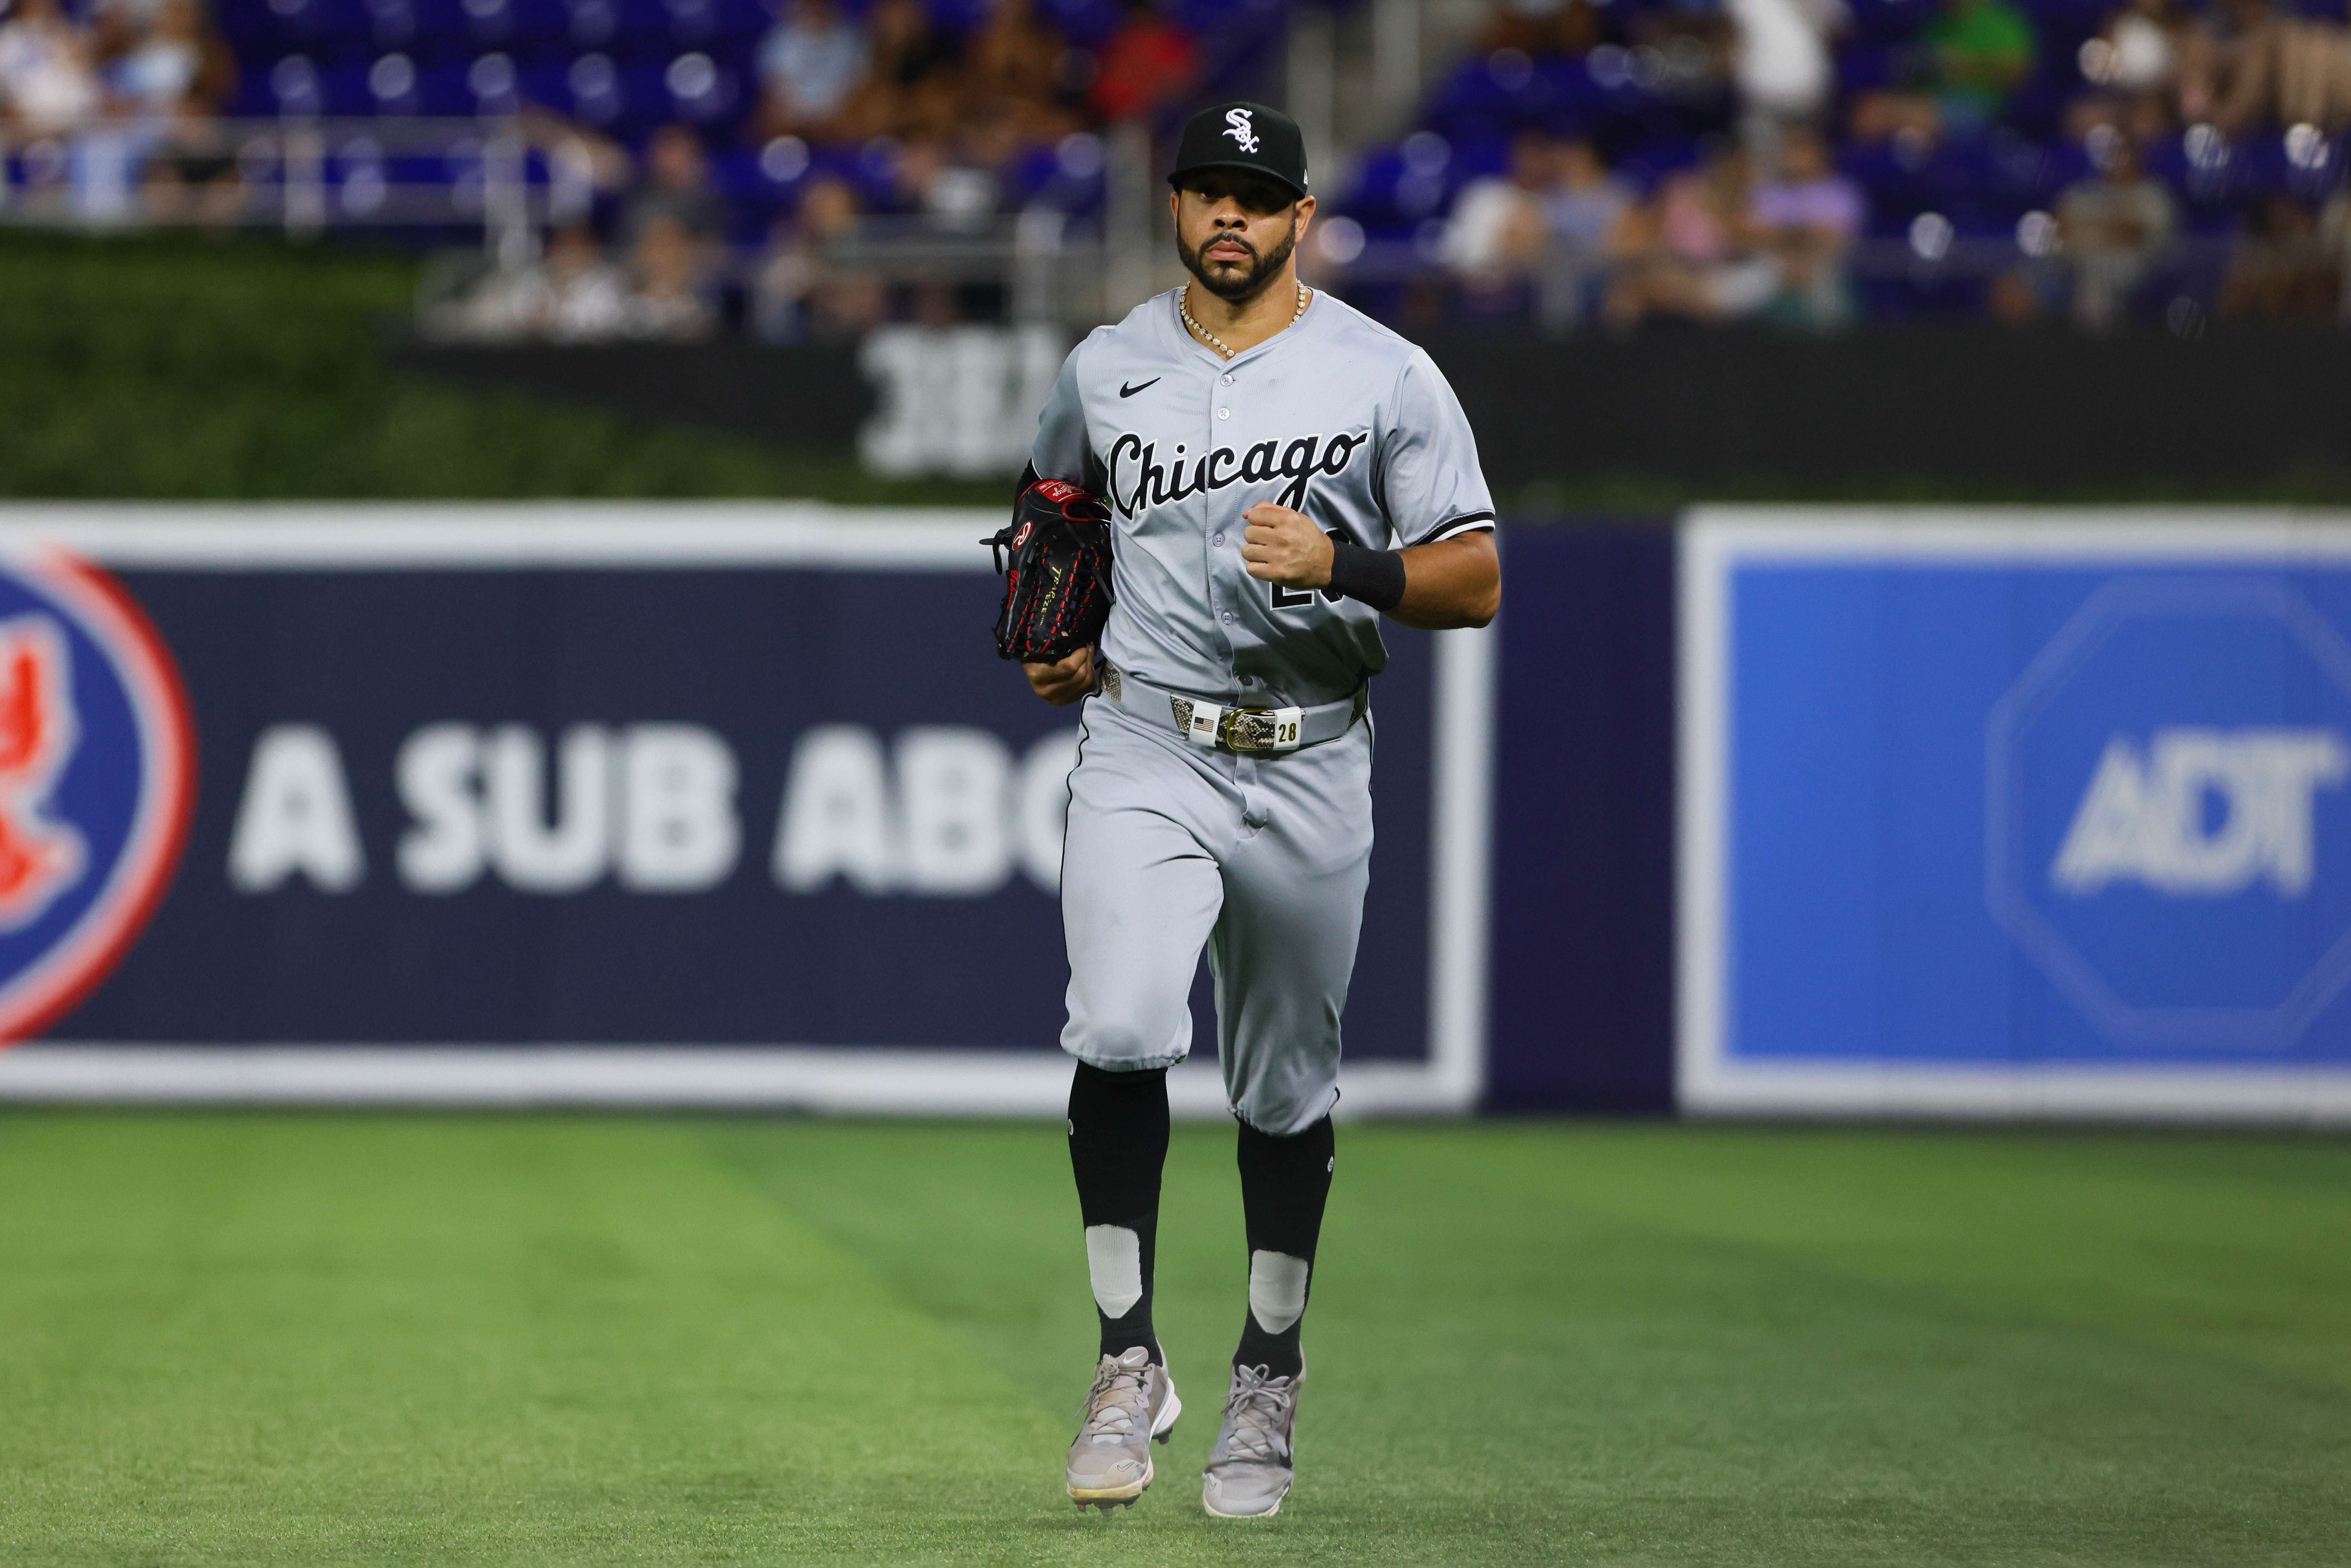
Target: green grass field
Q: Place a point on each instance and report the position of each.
(355, 1339)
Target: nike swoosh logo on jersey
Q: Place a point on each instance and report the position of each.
(1125, 391)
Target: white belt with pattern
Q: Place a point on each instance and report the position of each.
(1243, 729)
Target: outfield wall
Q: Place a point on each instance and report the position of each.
(1816, 812)
(710, 806)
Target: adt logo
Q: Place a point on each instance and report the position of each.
(2169, 831)
(2203, 814)
(97, 774)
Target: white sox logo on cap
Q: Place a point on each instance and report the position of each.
(1238, 127)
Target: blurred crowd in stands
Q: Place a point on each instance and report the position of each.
(153, 74)
(1802, 162)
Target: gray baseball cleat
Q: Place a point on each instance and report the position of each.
(1133, 1404)
(1250, 1469)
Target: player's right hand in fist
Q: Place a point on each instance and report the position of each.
(1064, 682)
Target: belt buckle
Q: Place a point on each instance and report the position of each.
(1254, 730)
(1247, 730)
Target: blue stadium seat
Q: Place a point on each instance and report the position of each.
(385, 85)
(298, 23)
(249, 26)
(1066, 177)
(693, 87)
(1085, 23)
(709, 24)
(591, 88)
(1645, 167)
(594, 24)
(2214, 178)
(1878, 23)
(391, 25)
(489, 84)
(1863, 68)
(537, 27)
(297, 86)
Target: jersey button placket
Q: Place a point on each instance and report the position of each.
(1221, 568)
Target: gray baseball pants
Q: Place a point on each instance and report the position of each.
(1262, 858)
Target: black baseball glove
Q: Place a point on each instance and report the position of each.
(1056, 592)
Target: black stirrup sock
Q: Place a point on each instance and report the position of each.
(1285, 1182)
(1118, 1145)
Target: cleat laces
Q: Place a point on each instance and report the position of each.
(1253, 1417)
(1114, 1403)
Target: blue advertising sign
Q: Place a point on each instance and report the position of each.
(2014, 815)
(685, 805)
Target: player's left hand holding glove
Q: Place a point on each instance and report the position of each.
(1065, 681)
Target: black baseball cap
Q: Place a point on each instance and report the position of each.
(1242, 135)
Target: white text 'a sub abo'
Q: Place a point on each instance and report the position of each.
(946, 811)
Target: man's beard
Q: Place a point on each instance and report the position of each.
(1242, 289)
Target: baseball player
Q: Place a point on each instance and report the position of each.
(1281, 471)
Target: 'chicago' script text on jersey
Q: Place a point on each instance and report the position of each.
(1297, 460)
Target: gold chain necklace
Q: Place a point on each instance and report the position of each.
(1211, 338)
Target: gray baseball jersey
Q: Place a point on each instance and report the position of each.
(1262, 858)
(1336, 417)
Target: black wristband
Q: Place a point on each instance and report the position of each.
(1373, 576)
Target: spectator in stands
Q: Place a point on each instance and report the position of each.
(1146, 63)
(675, 187)
(2014, 297)
(949, 185)
(1585, 208)
(2210, 49)
(48, 72)
(172, 81)
(1807, 220)
(1501, 226)
(1983, 51)
(1014, 59)
(913, 76)
(809, 63)
(2132, 65)
(1694, 251)
(2137, 50)
(670, 270)
(801, 290)
(1979, 52)
(177, 67)
(2113, 229)
(2334, 241)
(1538, 28)
(191, 175)
(574, 296)
(842, 302)
(1784, 68)
(2287, 70)
(2282, 265)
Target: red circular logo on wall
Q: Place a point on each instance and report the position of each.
(96, 779)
